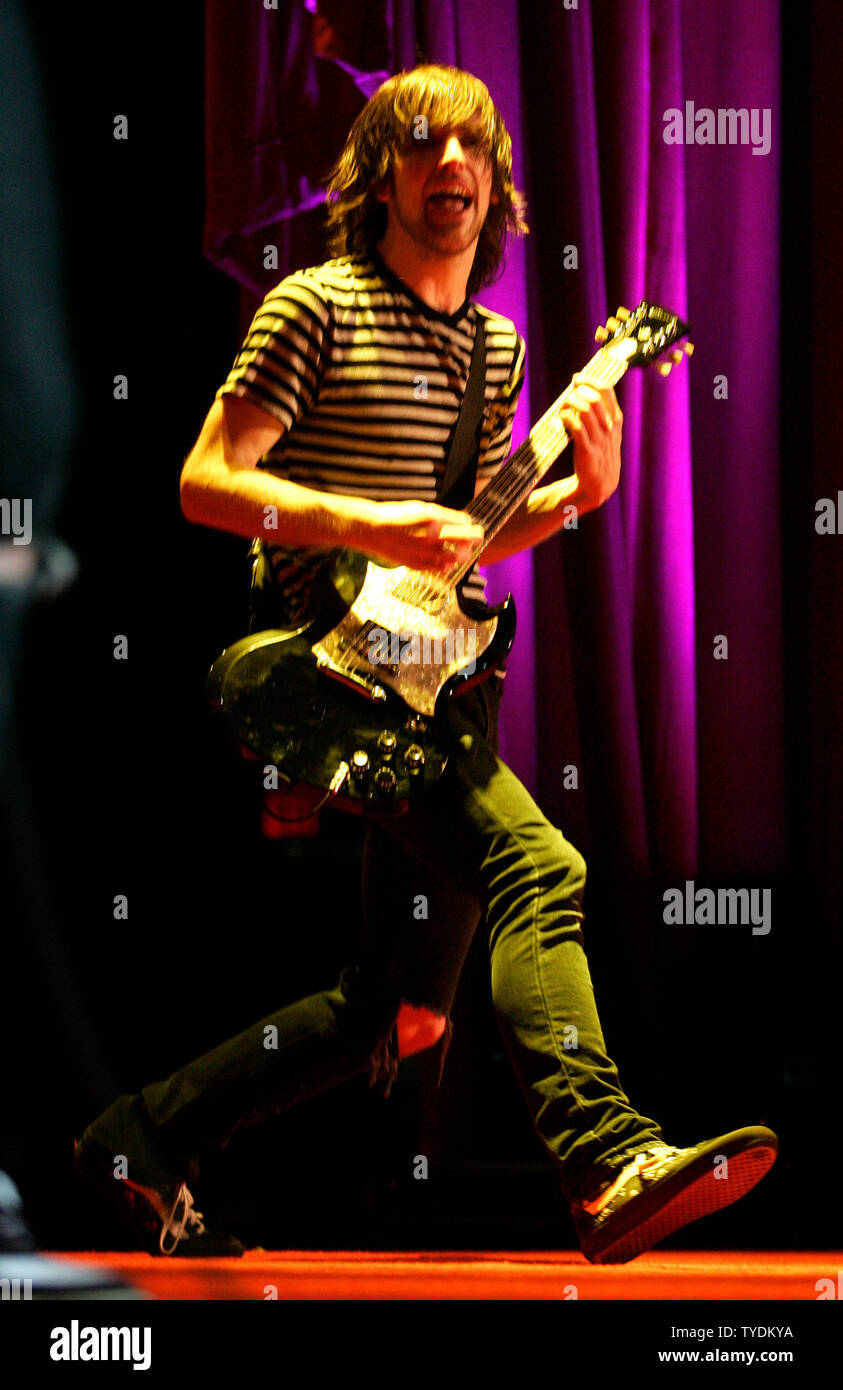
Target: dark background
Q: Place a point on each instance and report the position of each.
(135, 792)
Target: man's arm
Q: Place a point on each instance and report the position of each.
(593, 419)
(543, 514)
(222, 487)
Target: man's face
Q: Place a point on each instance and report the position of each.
(440, 190)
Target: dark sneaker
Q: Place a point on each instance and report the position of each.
(663, 1188)
(152, 1197)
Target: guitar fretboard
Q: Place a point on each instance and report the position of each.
(539, 451)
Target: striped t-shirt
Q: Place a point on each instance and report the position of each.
(367, 382)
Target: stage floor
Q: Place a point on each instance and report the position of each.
(314, 1275)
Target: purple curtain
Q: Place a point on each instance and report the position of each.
(648, 655)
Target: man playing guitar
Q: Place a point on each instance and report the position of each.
(331, 431)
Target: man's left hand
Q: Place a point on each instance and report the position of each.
(594, 421)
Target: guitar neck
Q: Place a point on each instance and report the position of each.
(493, 507)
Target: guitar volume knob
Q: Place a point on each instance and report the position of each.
(387, 743)
(385, 780)
(359, 764)
(414, 758)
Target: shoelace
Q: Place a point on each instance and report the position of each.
(648, 1162)
(176, 1226)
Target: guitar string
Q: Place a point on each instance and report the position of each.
(425, 589)
(488, 503)
(422, 590)
(604, 369)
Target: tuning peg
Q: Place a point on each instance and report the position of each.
(601, 335)
(677, 355)
(613, 325)
(622, 313)
(689, 349)
(663, 368)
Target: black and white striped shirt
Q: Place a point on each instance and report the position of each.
(367, 382)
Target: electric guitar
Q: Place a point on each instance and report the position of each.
(353, 702)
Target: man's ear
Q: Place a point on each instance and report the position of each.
(384, 193)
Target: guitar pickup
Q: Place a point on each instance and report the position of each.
(343, 644)
(357, 681)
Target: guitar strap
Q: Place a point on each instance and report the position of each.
(457, 487)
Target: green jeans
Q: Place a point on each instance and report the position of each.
(477, 848)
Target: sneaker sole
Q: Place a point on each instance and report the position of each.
(682, 1198)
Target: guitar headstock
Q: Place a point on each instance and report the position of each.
(644, 335)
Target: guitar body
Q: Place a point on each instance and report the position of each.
(354, 702)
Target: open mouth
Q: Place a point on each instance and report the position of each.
(450, 200)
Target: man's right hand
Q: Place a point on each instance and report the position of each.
(420, 535)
